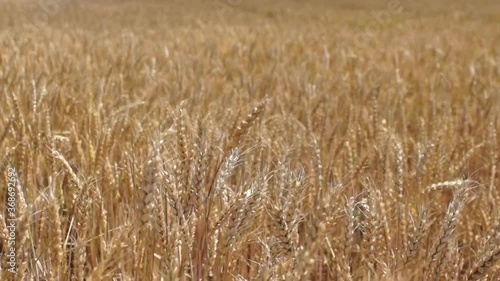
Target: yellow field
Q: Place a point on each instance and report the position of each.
(244, 140)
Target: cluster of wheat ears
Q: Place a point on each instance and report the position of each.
(266, 147)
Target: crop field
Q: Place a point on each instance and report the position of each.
(250, 140)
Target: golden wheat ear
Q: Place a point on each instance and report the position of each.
(244, 125)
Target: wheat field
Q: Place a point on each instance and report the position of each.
(249, 140)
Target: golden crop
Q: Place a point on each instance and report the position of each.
(245, 140)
